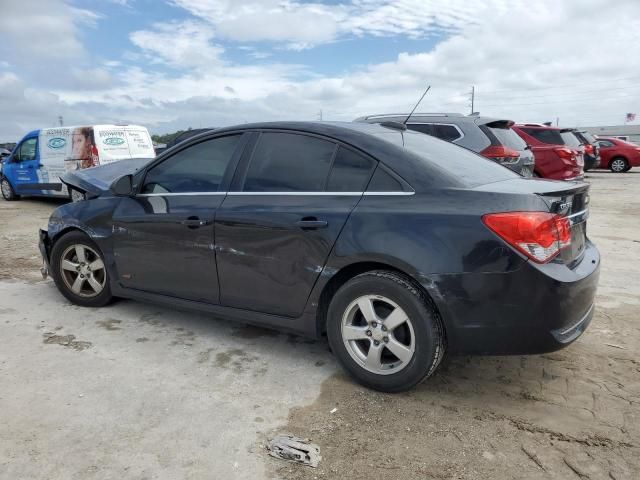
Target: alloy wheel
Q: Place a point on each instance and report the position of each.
(82, 270)
(378, 334)
(6, 188)
(618, 165)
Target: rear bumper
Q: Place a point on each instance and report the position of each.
(535, 309)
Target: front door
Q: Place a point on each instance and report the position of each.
(22, 171)
(164, 236)
(276, 230)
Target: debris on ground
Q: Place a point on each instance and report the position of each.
(295, 449)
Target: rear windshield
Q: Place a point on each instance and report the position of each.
(544, 135)
(588, 137)
(466, 166)
(570, 139)
(509, 138)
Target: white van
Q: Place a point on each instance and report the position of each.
(42, 156)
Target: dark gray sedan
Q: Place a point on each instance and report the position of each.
(395, 245)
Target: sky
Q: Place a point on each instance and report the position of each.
(175, 64)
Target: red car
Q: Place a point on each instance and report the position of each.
(559, 154)
(617, 155)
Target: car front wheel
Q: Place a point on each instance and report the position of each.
(78, 269)
(619, 165)
(7, 190)
(384, 331)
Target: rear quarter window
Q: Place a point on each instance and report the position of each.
(350, 172)
(449, 133)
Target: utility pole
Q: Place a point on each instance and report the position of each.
(557, 121)
(320, 115)
(60, 120)
(473, 98)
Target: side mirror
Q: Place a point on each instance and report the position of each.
(123, 186)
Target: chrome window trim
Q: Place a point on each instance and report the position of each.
(179, 194)
(401, 194)
(334, 194)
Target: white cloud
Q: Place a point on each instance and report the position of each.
(186, 44)
(302, 25)
(35, 29)
(512, 51)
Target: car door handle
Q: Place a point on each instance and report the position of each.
(194, 222)
(310, 223)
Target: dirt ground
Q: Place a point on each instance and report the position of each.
(19, 224)
(571, 414)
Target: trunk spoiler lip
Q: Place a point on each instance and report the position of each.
(544, 188)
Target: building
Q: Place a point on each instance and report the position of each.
(632, 132)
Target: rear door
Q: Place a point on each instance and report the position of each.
(277, 226)
(164, 236)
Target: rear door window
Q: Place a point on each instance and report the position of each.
(289, 162)
(197, 168)
(350, 172)
(551, 137)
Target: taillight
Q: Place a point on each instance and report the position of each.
(539, 235)
(501, 154)
(588, 148)
(565, 153)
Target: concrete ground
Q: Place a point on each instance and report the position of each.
(142, 391)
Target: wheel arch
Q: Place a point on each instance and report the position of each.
(67, 229)
(616, 157)
(349, 271)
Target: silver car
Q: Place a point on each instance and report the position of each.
(490, 137)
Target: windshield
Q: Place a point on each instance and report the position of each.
(509, 138)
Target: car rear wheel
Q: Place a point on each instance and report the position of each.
(78, 269)
(7, 190)
(619, 165)
(384, 331)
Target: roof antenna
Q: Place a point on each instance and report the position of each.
(414, 108)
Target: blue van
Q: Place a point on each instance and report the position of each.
(42, 156)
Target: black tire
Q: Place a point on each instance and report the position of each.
(619, 165)
(8, 193)
(62, 245)
(424, 320)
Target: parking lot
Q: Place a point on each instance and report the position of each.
(142, 391)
